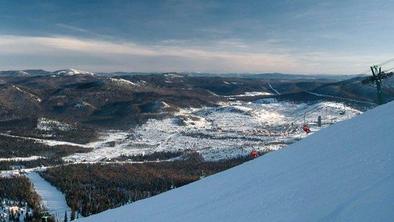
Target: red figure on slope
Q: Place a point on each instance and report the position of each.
(254, 154)
(306, 128)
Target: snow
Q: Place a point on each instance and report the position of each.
(49, 125)
(245, 94)
(38, 99)
(165, 105)
(173, 75)
(30, 158)
(110, 145)
(9, 207)
(84, 104)
(22, 73)
(233, 129)
(71, 72)
(22, 171)
(123, 81)
(273, 89)
(341, 173)
(227, 131)
(53, 200)
(212, 93)
(45, 141)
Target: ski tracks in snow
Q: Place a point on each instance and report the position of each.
(273, 89)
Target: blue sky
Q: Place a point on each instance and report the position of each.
(338, 36)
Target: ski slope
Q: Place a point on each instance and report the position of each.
(341, 173)
(52, 199)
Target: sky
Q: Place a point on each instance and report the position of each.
(227, 36)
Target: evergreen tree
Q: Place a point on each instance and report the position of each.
(72, 217)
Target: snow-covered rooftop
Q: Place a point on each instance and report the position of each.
(341, 173)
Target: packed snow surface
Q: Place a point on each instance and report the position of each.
(341, 173)
(227, 131)
(53, 200)
(30, 158)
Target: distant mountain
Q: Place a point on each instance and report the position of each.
(241, 75)
(279, 76)
(265, 76)
(27, 72)
(71, 72)
(123, 100)
(40, 72)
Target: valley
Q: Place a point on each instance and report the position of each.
(196, 111)
(71, 121)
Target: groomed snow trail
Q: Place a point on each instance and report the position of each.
(53, 200)
(341, 173)
(273, 89)
(45, 141)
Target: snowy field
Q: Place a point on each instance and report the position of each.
(229, 130)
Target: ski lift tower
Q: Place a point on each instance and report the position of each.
(377, 76)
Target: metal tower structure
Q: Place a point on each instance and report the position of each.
(377, 76)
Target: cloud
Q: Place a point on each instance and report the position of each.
(73, 28)
(34, 45)
(226, 55)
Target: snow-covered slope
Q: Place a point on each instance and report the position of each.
(53, 200)
(71, 72)
(228, 131)
(341, 173)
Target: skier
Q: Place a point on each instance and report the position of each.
(254, 154)
(306, 128)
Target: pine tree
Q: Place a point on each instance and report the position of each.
(72, 217)
(65, 216)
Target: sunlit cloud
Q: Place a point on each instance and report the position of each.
(226, 55)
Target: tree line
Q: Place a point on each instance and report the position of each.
(92, 188)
